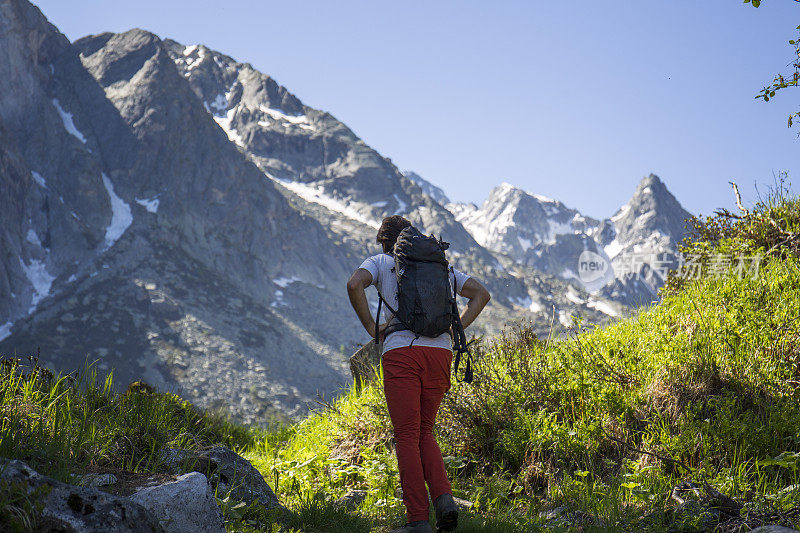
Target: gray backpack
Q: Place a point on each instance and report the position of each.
(426, 303)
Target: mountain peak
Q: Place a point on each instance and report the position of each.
(503, 192)
(651, 185)
(653, 192)
(651, 179)
(653, 207)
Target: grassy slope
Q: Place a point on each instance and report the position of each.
(704, 386)
(709, 377)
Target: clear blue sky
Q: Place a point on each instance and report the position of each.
(577, 100)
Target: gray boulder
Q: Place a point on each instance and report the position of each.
(77, 509)
(235, 475)
(773, 529)
(229, 472)
(186, 505)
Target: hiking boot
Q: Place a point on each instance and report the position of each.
(420, 526)
(446, 513)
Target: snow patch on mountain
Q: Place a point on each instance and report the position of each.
(613, 249)
(121, 217)
(564, 318)
(603, 307)
(573, 296)
(540, 197)
(285, 282)
(621, 213)
(32, 238)
(315, 195)
(39, 179)
(280, 116)
(151, 204)
(278, 301)
(193, 60)
(5, 330)
(66, 119)
(225, 122)
(461, 211)
(484, 226)
(402, 207)
(556, 228)
(224, 116)
(40, 279)
(528, 303)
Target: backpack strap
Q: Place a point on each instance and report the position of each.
(377, 319)
(382, 300)
(460, 338)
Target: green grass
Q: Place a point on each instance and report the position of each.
(704, 386)
(63, 424)
(710, 377)
(602, 423)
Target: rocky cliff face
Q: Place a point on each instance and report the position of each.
(176, 215)
(427, 187)
(308, 152)
(168, 253)
(212, 202)
(56, 182)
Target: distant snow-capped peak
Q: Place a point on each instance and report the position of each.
(652, 220)
(512, 221)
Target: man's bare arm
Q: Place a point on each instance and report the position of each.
(356, 285)
(478, 297)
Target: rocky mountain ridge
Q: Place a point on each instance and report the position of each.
(638, 243)
(175, 214)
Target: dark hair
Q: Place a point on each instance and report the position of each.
(389, 231)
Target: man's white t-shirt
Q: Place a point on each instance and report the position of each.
(380, 266)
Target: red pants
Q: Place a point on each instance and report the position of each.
(414, 381)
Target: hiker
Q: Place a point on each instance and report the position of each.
(416, 374)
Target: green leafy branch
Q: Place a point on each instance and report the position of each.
(782, 81)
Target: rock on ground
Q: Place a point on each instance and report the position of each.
(462, 503)
(773, 529)
(78, 509)
(186, 505)
(227, 471)
(237, 476)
